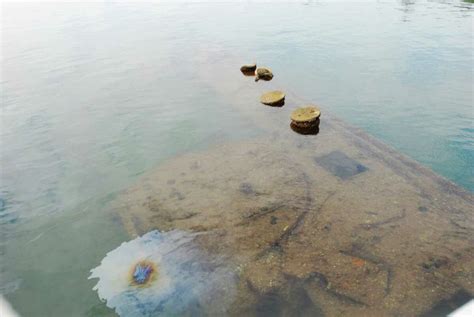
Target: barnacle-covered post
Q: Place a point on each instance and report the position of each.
(305, 120)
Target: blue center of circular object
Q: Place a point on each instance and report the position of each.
(142, 273)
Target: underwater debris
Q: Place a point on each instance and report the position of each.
(247, 189)
(285, 302)
(318, 281)
(422, 209)
(358, 253)
(340, 165)
(393, 219)
(434, 263)
(273, 220)
(274, 98)
(263, 73)
(265, 210)
(357, 262)
(162, 273)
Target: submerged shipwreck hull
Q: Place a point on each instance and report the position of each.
(326, 225)
(336, 218)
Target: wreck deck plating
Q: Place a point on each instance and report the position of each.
(333, 224)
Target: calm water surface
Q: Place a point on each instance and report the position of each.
(95, 95)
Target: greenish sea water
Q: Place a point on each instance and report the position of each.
(95, 95)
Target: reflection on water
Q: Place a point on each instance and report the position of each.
(94, 96)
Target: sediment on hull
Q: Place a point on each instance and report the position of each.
(282, 214)
(338, 222)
